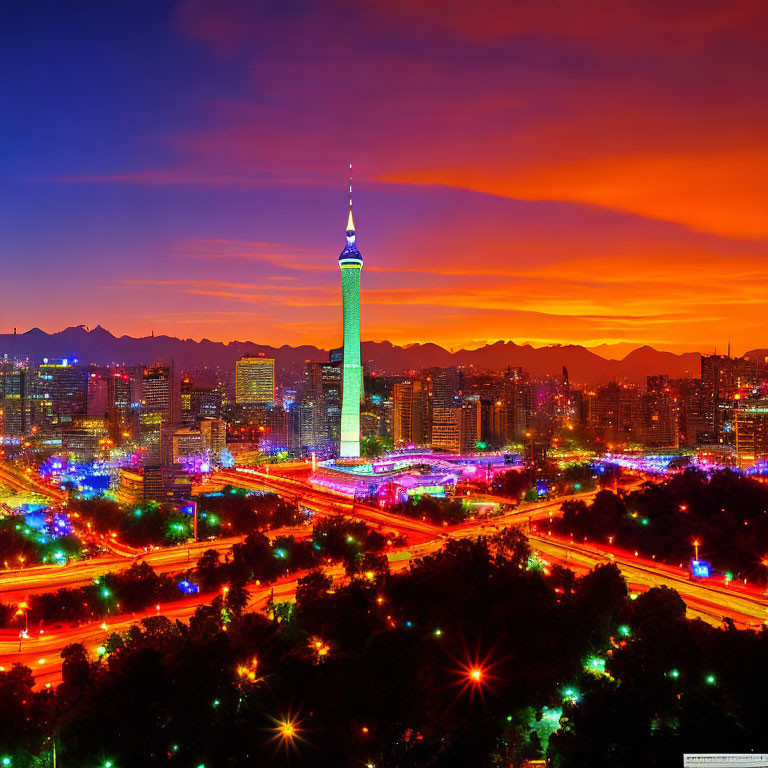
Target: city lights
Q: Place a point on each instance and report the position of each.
(536, 428)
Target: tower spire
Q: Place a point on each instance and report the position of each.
(350, 222)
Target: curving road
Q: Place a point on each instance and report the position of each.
(707, 599)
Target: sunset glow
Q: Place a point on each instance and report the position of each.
(560, 177)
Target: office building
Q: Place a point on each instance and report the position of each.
(255, 381)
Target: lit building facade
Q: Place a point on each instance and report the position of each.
(410, 413)
(156, 408)
(751, 432)
(255, 381)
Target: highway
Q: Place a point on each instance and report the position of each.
(709, 600)
(19, 583)
(41, 651)
(30, 482)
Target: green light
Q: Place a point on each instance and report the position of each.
(101, 650)
(108, 764)
(216, 702)
(577, 486)
(349, 539)
(674, 673)
(711, 679)
(352, 381)
(644, 521)
(438, 632)
(624, 630)
(281, 553)
(509, 718)
(6, 761)
(595, 664)
(137, 513)
(571, 694)
(105, 592)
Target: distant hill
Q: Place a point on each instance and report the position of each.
(100, 346)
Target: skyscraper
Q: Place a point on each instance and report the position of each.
(255, 381)
(156, 408)
(351, 263)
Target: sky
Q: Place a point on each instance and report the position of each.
(540, 171)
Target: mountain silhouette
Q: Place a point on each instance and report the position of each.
(99, 346)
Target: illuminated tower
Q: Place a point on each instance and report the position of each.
(350, 263)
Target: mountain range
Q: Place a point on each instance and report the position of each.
(99, 346)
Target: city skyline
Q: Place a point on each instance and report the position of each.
(603, 173)
(497, 500)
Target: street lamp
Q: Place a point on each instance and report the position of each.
(696, 544)
(22, 610)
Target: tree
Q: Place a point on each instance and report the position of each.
(312, 587)
(236, 599)
(512, 547)
(208, 570)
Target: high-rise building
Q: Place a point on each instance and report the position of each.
(445, 387)
(156, 408)
(123, 408)
(445, 408)
(718, 380)
(57, 392)
(186, 442)
(198, 402)
(351, 264)
(97, 394)
(470, 424)
(214, 436)
(751, 431)
(185, 399)
(410, 413)
(616, 413)
(513, 416)
(86, 437)
(320, 412)
(15, 404)
(255, 381)
(659, 414)
(446, 429)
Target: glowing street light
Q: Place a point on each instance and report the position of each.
(287, 731)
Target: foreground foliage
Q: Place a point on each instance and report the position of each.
(474, 657)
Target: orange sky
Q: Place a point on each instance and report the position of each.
(589, 172)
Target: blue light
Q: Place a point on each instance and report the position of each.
(700, 569)
(188, 588)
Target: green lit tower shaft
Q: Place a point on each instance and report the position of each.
(351, 263)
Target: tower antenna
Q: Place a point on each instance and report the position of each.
(350, 222)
